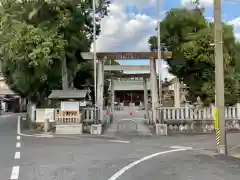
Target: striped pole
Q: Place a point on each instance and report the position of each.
(216, 126)
(217, 137)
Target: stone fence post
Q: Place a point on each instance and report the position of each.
(238, 110)
(212, 110)
(186, 109)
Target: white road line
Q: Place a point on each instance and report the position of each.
(180, 147)
(119, 141)
(6, 115)
(18, 125)
(18, 145)
(15, 172)
(18, 137)
(126, 168)
(17, 155)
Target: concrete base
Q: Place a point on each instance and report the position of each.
(161, 129)
(96, 129)
(222, 149)
(69, 129)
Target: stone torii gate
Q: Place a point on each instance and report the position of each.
(152, 56)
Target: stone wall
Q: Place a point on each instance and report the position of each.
(197, 126)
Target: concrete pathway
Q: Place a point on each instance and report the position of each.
(128, 118)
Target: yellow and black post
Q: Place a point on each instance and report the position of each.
(216, 126)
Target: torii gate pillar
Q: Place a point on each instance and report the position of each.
(100, 87)
(154, 89)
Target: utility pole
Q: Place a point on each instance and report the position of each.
(219, 75)
(159, 56)
(95, 60)
(94, 50)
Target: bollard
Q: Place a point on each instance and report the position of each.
(46, 125)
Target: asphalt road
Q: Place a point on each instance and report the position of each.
(8, 133)
(89, 159)
(154, 158)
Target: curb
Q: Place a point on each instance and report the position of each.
(37, 133)
(87, 137)
(235, 155)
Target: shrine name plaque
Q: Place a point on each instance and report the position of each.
(132, 55)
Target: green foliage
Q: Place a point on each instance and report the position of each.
(190, 37)
(35, 37)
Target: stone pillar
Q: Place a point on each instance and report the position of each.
(176, 93)
(100, 87)
(154, 92)
(112, 95)
(145, 97)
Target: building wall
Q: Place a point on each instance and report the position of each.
(129, 97)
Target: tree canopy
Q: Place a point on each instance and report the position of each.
(189, 36)
(36, 36)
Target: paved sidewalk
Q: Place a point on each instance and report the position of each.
(130, 116)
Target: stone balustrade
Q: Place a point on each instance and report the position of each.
(189, 119)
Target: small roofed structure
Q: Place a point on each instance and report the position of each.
(69, 94)
(70, 116)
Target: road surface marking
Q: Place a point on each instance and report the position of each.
(18, 137)
(6, 115)
(18, 145)
(119, 141)
(180, 147)
(126, 168)
(15, 172)
(17, 155)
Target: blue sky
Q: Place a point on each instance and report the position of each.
(131, 22)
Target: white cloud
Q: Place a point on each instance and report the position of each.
(121, 33)
(235, 22)
(236, 25)
(237, 35)
(189, 3)
(210, 19)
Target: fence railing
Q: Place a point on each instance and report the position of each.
(204, 113)
(62, 117)
(85, 114)
(89, 113)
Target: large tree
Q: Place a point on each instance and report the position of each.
(189, 36)
(37, 35)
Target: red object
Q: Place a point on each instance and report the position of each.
(108, 113)
(130, 113)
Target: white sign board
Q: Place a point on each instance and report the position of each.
(69, 106)
(83, 103)
(49, 114)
